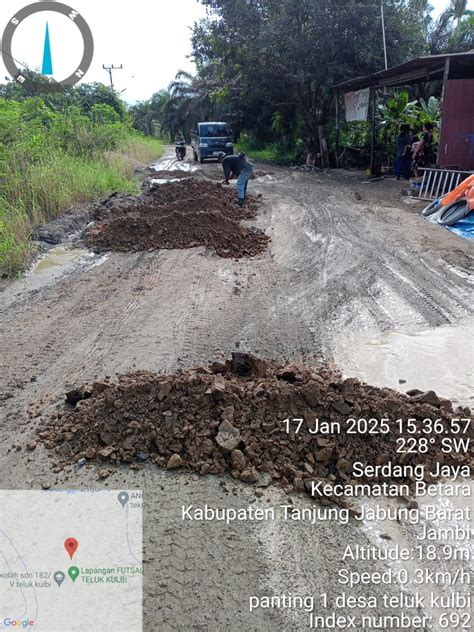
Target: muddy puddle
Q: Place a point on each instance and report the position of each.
(172, 164)
(165, 180)
(441, 359)
(49, 268)
(58, 259)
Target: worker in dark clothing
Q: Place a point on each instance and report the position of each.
(404, 141)
(237, 166)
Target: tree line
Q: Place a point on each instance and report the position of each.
(269, 66)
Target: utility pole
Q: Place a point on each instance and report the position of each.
(110, 70)
(383, 35)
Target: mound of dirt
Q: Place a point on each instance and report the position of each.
(178, 215)
(228, 418)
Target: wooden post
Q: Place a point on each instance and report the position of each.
(372, 142)
(337, 130)
(445, 81)
(323, 147)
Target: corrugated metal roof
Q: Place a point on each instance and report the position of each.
(461, 66)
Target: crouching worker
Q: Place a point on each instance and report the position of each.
(237, 166)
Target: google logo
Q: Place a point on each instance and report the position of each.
(24, 623)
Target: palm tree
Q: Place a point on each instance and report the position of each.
(143, 114)
(447, 37)
(195, 93)
(459, 8)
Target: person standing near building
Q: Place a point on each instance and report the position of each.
(402, 166)
(241, 168)
(425, 155)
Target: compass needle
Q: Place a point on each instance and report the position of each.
(47, 68)
(27, 79)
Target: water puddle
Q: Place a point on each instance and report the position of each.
(172, 164)
(441, 359)
(57, 258)
(166, 180)
(57, 262)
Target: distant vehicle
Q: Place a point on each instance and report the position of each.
(209, 139)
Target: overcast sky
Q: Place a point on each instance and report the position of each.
(151, 38)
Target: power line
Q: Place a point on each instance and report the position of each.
(15, 60)
(110, 70)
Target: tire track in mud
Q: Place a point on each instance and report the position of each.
(398, 280)
(343, 269)
(323, 290)
(424, 285)
(280, 330)
(188, 343)
(436, 302)
(204, 571)
(102, 342)
(303, 274)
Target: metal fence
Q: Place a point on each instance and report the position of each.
(438, 182)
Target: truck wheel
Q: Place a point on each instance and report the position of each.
(454, 212)
(201, 159)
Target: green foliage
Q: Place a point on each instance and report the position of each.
(84, 96)
(453, 32)
(399, 110)
(77, 133)
(104, 114)
(355, 134)
(279, 59)
(270, 152)
(53, 156)
(268, 67)
(429, 111)
(189, 99)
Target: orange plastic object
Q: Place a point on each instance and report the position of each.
(459, 192)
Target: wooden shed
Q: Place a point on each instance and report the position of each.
(456, 71)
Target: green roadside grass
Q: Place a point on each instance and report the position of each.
(32, 193)
(267, 154)
(270, 152)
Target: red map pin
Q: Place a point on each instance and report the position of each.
(71, 545)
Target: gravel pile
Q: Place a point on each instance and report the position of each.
(227, 419)
(178, 215)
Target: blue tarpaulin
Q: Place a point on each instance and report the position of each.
(464, 228)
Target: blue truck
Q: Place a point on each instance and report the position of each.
(210, 138)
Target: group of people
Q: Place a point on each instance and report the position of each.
(414, 152)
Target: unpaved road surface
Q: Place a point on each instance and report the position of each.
(345, 257)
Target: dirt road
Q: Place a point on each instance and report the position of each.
(346, 259)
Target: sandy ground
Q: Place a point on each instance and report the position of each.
(345, 258)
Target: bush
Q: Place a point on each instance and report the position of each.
(271, 152)
(51, 160)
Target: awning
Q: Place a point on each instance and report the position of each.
(431, 68)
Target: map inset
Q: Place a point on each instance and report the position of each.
(71, 560)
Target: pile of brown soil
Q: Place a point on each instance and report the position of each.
(228, 419)
(178, 215)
